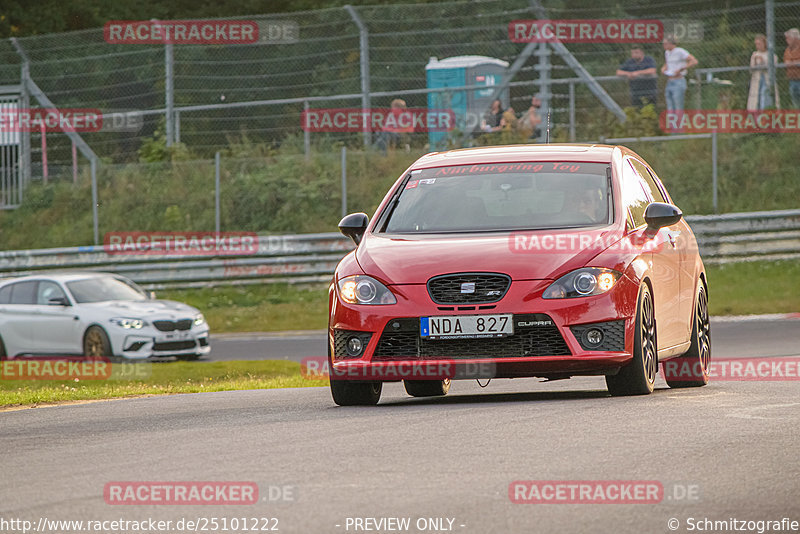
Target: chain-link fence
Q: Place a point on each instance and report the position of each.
(246, 100)
(81, 70)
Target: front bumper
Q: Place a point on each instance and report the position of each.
(549, 336)
(154, 344)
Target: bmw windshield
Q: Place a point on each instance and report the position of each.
(500, 197)
(102, 289)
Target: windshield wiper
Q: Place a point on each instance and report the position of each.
(387, 213)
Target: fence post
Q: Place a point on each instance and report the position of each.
(216, 194)
(25, 135)
(169, 103)
(344, 181)
(699, 80)
(95, 223)
(306, 135)
(714, 171)
(177, 116)
(571, 112)
(544, 86)
(363, 38)
(769, 5)
(43, 134)
(74, 164)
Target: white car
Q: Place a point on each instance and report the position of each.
(95, 314)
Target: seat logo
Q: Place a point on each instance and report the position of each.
(468, 287)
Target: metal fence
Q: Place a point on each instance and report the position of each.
(728, 238)
(245, 101)
(206, 95)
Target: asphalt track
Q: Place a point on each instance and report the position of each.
(731, 339)
(728, 451)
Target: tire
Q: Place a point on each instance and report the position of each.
(353, 393)
(96, 343)
(639, 376)
(692, 369)
(349, 393)
(427, 388)
(3, 355)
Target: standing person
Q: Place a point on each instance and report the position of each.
(530, 120)
(676, 62)
(641, 73)
(758, 97)
(393, 134)
(791, 56)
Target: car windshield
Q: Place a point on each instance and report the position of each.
(501, 196)
(103, 288)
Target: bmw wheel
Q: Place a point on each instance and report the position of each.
(96, 344)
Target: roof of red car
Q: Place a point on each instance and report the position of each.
(514, 153)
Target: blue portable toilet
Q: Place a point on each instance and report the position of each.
(469, 107)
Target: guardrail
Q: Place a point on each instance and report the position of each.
(752, 236)
(285, 258)
(732, 237)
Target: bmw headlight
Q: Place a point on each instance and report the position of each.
(582, 283)
(199, 319)
(129, 322)
(362, 289)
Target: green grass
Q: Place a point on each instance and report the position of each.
(735, 289)
(258, 308)
(130, 380)
(754, 287)
(283, 193)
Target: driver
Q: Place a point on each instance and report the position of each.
(585, 205)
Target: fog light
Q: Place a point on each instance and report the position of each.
(354, 346)
(593, 337)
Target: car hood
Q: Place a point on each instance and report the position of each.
(167, 309)
(529, 255)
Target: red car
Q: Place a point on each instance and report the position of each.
(519, 261)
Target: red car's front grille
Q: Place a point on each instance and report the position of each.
(468, 288)
(401, 340)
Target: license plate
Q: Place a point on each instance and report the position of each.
(181, 335)
(466, 326)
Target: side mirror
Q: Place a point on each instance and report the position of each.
(58, 301)
(354, 226)
(658, 215)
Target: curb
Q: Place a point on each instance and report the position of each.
(759, 317)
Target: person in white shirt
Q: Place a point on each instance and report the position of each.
(677, 62)
(758, 97)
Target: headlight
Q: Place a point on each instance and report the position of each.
(582, 283)
(361, 289)
(199, 319)
(129, 322)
